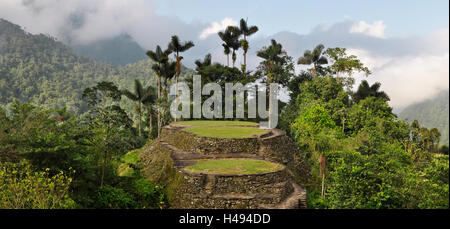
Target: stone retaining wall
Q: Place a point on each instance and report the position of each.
(228, 191)
(204, 145)
(282, 149)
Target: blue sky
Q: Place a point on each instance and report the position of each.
(403, 17)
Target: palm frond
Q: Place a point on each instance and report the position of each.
(129, 95)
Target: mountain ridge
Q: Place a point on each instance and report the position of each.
(431, 113)
(41, 70)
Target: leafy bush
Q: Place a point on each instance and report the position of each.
(135, 194)
(21, 187)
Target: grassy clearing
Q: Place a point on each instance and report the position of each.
(217, 123)
(233, 166)
(131, 157)
(225, 131)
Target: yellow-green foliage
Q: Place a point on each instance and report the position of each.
(233, 166)
(23, 188)
(130, 158)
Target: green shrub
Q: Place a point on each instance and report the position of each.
(21, 187)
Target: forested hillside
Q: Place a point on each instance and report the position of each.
(432, 113)
(119, 51)
(43, 71)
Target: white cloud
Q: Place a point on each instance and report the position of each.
(375, 30)
(406, 79)
(215, 27)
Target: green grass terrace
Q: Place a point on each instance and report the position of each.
(216, 123)
(233, 166)
(222, 129)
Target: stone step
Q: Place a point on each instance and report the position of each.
(280, 190)
(296, 200)
(234, 196)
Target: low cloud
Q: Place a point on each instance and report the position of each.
(375, 30)
(407, 79)
(216, 27)
(409, 69)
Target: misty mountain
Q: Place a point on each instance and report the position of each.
(432, 113)
(120, 50)
(43, 71)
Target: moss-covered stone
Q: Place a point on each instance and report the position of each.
(159, 167)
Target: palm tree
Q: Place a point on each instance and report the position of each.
(231, 39)
(226, 51)
(274, 59)
(315, 57)
(149, 100)
(176, 46)
(159, 57)
(206, 62)
(246, 31)
(365, 90)
(168, 70)
(138, 96)
(235, 44)
(226, 38)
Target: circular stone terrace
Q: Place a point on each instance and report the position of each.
(222, 165)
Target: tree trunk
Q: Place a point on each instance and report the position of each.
(233, 59)
(177, 74)
(322, 162)
(140, 119)
(176, 94)
(159, 105)
(151, 127)
(343, 125)
(323, 186)
(103, 170)
(270, 108)
(245, 63)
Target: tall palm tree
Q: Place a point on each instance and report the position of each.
(226, 51)
(246, 31)
(206, 62)
(315, 57)
(231, 38)
(226, 38)
(273, 61)
(365, 90)
(138, 96)
(159, 57)
(176, 46)
(235, 43)
(168, 70)
(148, 101)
